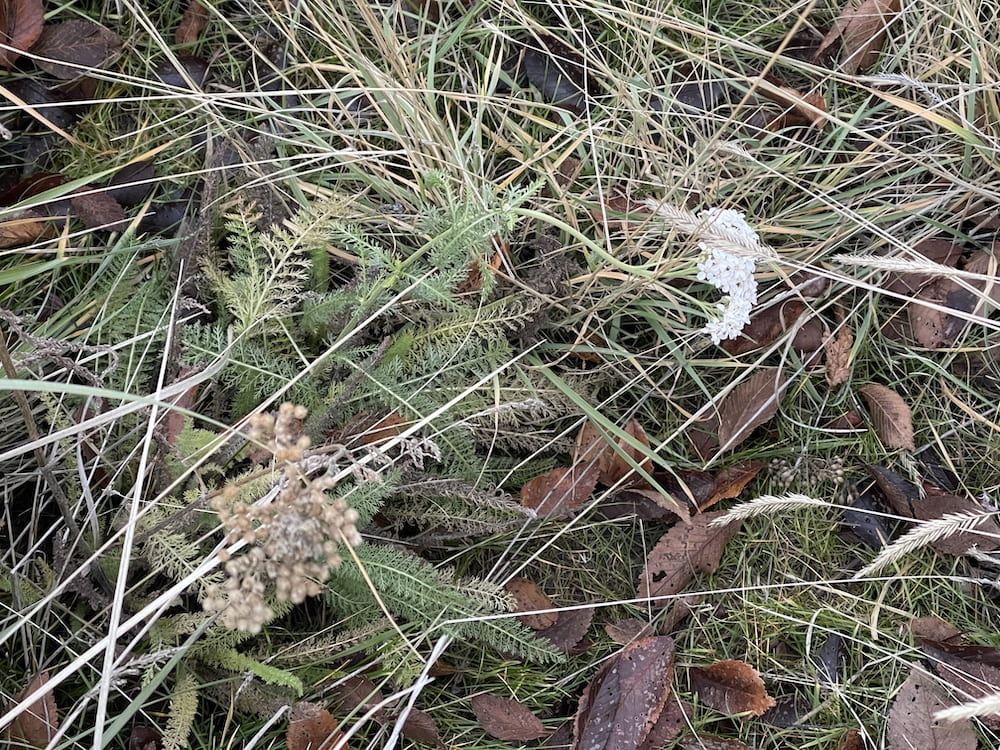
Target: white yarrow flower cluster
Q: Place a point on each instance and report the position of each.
(729, 272)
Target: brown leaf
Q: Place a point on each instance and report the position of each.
(765, 327)
(936, 250)
(628, 630)
(730, 482)
(74, 45)
(838, 357)
(357, 693)
(192, 23)
(311, 727)
(851, 740)
(37, 726)
(560, 490)
(970, 678)
(891, 417)
(21, 24)
(507, 719)
(98, 210)
(614, 465)
(143, 737)
(672, 720)
(421, 727)
(529, 597)
(626, 697)
(752, 403)
(24, 228)
(732, 687)
(569, 629)
(933, 628)
(799, 108)
(912, 725)
(934, 328)
(860, 32)
(682, 552)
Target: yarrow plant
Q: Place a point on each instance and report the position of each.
(730, 251)
(295, 539)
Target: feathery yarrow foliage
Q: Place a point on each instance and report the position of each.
(294, 540)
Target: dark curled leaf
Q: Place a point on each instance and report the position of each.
(507, 719)
(558, 73)
(21, 24)
(73, 46)
(862, 520)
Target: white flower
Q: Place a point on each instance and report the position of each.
(729, 272)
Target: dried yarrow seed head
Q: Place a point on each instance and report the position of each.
(295, 539)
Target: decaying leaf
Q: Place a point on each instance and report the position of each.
(628, 630)
(860, 32)
(838, 357)
(561, 490)
(144, 737)
(529, 597)
(72, 46)
(851, 740)
(37, 726)
(891, 417)
(568, 631)
(938, 250)
(765, 327)
(357, 693)
(98, 210)
(673, 719)
(749, 405)
(911, 719)
(421, 727)
(681, 553)
(507, 719)
(801, 108)
(906, 500)
(712, 742)
(626, 697)
(311, 727)
(559, 73)
(732, 687)
(192, 23)
(729, 483)
(24, 228)
(21, 24)
(971, 678)
(933, 327)
(614, 465)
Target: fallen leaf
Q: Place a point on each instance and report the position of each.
(765, 327)
(143, 737)
(851, 740)
(800, 108)
(626, 697)
(905, 499)
(674, 718)
(936, 250)
(970, 678)
(628, 630)
(568, 631)
(25, 227)
(934, 328)
(559, 73)
(838, 357)
(421, 727)
(559, 490)
(21, 24)
(311, 727)
(36, 726)
(864, 520)
(912, 725)
(749, 405)
(712, 742)
(933, 628)
(860, 32)
(681, 553)
(507, 719)
(732, 687)
(730, 482)
(357, 694)
(192, 23)
(529, 597)
(891, 417)
(72, 46)
(613, 464)
(98, 210)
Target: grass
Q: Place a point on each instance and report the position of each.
(376, 114)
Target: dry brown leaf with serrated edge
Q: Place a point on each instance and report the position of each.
(838, 357)
(674, 718)
(529, 597)
(891, 417)
(421, 727)
(912, 723)
(626, 697)
(192, 23)
(732, 687)
(569, 630)
(861, 32)
(559, 490)
(99, 210)
(311, 727)
(749, 405)
(21, 23)
(37, 726)
(681, 553)
(730, 482)
(507, 719)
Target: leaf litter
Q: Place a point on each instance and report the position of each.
(732, 687)
(507, 719)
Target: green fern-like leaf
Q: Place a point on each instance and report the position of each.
(182, 712)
